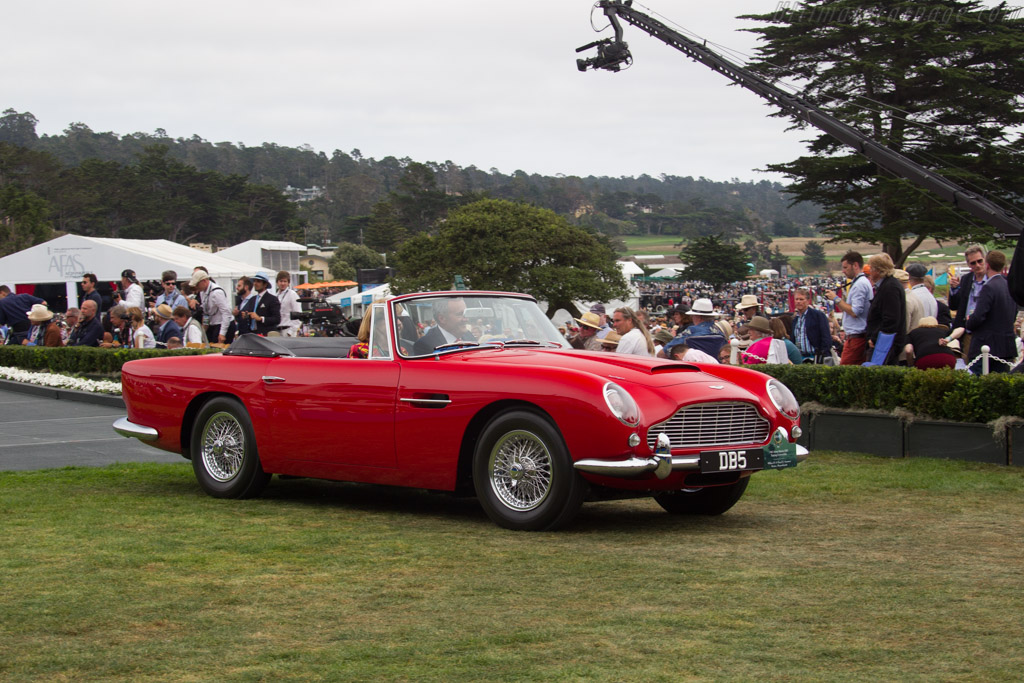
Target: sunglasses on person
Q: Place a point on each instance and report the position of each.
(977, 262)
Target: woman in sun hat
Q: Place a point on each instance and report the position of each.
(43, 331)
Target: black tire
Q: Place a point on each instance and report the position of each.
(224, 455)
(711, 500)
(522, 473)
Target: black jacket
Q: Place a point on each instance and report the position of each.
(991, 322)
(269, 308)
(888, 313)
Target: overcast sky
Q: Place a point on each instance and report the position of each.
(484, 82)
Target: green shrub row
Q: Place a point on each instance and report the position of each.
(81, 360)
(940, 394)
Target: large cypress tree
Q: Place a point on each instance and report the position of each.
(941, 81)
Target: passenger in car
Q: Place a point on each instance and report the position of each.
(361, 349)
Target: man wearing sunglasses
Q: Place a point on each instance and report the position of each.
(964, 295)
(170, 296)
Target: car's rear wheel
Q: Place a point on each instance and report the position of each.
(523, 475)
(224, 455)
(711, 500)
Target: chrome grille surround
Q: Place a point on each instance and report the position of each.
(710, 425)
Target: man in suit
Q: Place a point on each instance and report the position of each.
(450, 316)
(963, 295)
(811, 332)
(262, 312)
(991, 321)
(168, 328)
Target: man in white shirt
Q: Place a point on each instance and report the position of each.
(634, 336)
(215, 305)
(916, 273)
(133, 294)
(289, 298)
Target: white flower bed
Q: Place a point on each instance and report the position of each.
(48, 379)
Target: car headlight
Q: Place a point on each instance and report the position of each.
(621, 404)
(783, 399)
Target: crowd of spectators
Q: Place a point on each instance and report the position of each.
(178, 313)
(874, 314)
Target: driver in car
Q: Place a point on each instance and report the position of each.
(450, 315)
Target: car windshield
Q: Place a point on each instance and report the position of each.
(436, 324)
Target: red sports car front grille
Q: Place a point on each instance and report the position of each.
(710, 425)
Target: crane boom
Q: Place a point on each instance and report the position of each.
(614, 52)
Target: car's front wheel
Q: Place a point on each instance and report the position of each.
(523, 475)
(224, 455)
(711, 500)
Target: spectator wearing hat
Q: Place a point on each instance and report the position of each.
(43, 331)
(599, 310)
(661, 337)
(811, 332)
(89, 290)
(290, 306)
(610, 342)
(916, 273)
(854, 308)
(133, 296)
(703, 315)
(89, 330)
(14, 310)
(746, 309)
(677, 317)
(927, 347)
(168, 328)
(586, 339)
(262, 312)
(915, 311)
(170, 296)
(214, 302)
(763, 348)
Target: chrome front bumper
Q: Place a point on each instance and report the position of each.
(126, 427)
(661, 463)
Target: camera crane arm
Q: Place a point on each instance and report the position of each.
(613, 53)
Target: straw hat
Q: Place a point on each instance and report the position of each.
(748, 301)
(611, 339)
(40, 313)
(590, 320)
(165, 311)
(663, 336)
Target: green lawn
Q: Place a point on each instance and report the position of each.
(845, 568)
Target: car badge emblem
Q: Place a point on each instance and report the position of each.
(716, 386)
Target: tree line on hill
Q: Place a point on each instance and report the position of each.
(189, 189)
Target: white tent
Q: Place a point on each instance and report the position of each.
(668, 271)
(769, 273)
(629, 269)
(352, 298)
(65, 259)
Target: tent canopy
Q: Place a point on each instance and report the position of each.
(67, 258)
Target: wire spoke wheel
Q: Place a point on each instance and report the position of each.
(223, 446)
(520, 470)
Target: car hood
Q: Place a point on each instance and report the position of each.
(654, 372)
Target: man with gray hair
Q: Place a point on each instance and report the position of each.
(963, 296)
(450, 316)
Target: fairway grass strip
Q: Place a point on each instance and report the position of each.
(844, 568)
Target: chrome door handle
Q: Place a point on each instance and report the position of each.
(269, 379)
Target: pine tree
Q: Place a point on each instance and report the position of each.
(938, 80)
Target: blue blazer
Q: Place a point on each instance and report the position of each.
(992, 320)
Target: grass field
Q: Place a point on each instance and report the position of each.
(793, 247)
(845, 568)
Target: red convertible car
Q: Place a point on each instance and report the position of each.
(490, 400)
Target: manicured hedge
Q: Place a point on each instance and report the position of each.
(940, 394)
(81, 360)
